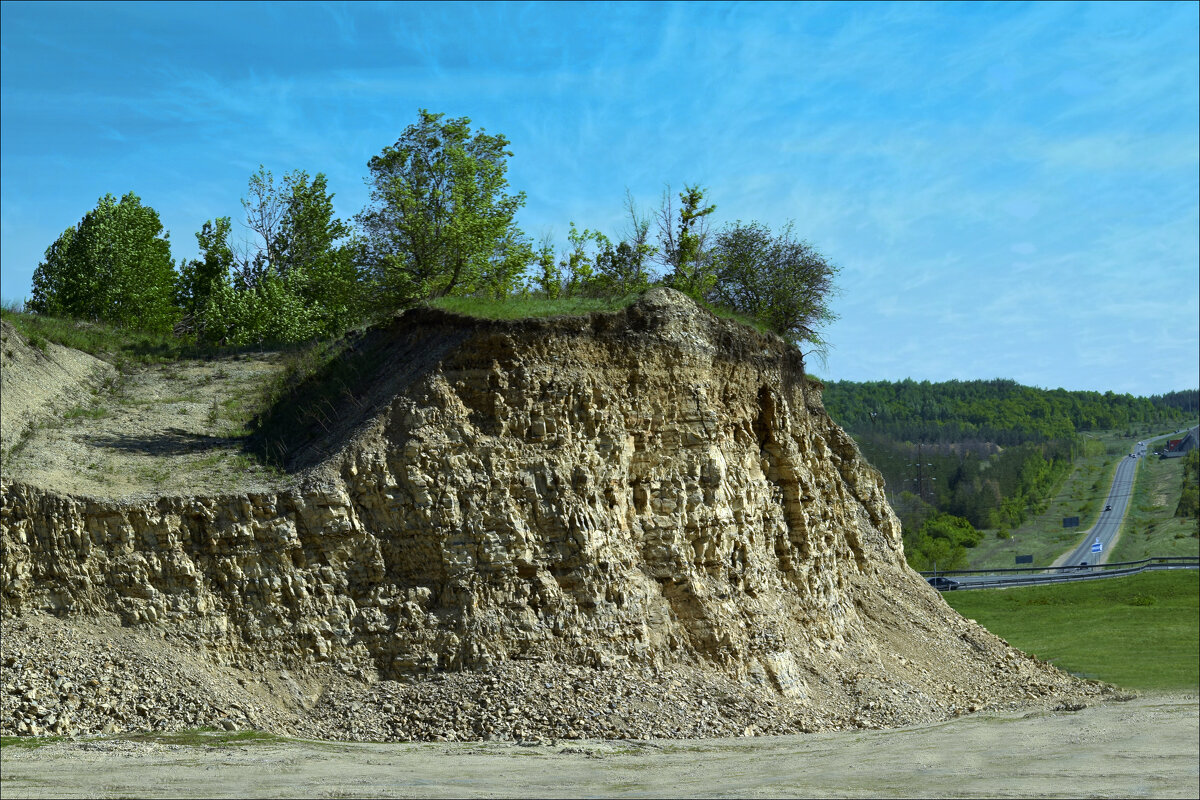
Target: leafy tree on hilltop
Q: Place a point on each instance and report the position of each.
(683, 242)
(299, 281)
(114, 265)
(308, 250)
(547, 279)
(199, 278)
(622, 269)
(441, 221)
(780, 280)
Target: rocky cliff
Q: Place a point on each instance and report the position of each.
(645, 494)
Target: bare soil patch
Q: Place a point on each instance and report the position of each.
(167, 429)
(40, 381)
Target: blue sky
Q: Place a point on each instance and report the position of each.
(1009, 190)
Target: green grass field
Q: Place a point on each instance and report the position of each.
(1139, 632)
(527, 307)
(530, 307)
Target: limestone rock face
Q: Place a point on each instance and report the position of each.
(625, 491)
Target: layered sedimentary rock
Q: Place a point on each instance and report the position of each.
(635, 491)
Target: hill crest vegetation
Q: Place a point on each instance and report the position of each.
(440, 226)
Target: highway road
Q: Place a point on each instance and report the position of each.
(1104, 532)
(1109, 525)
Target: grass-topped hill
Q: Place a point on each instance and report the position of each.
(333, 387)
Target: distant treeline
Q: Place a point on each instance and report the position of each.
(998, 411)
(959, 456)
(1188, 402)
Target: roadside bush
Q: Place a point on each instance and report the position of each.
(1189, 500)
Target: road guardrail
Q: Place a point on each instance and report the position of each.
(1026, 576)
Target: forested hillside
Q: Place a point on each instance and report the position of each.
(962, 456)
(999, 411)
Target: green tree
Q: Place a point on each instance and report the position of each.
(780, 280)
(683, 242)
(272, 310)
(617, 270)
(578, 265)
(952, 528)
(441, 221)
(198, 278)
(114, 265)
(942, 540)
(59, 286)
(299, 280)
(1189, 497)
(622, 270)
(316, 250)
(548, 279)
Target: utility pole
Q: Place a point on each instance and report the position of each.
(921, 473)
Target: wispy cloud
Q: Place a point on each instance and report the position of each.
(988, 177)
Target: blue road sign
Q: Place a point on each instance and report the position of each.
(1097, 547)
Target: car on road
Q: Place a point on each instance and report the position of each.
(1082, 565)
(943, 584)
(1108, 508)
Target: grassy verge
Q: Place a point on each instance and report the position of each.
(203, 737)
(1081, 494)
(111, 342)
(1151, 527)
(1140, 632)
(28, 742)
(197, 737)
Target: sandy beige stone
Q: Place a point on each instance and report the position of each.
(646, 494)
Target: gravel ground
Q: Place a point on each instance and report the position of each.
(1145, 747)
(85, 676)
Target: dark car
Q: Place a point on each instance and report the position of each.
(1082, 565)
(1108, 508)
(943, 584)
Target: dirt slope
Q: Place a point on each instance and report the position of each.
(40, 383)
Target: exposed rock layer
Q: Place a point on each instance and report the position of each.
(645, 492)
